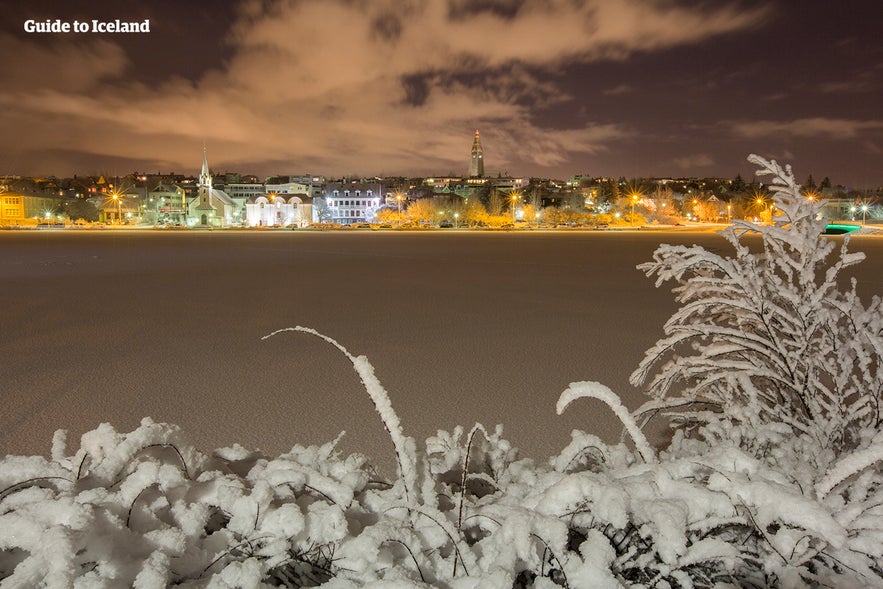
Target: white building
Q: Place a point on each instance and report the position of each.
(277, 211)
(244, 190)
(315, 184)
(212, 207)
(348, 203)
(285, 185)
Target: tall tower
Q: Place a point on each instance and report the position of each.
(205, 177)
(476, 164)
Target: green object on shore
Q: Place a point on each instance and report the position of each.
(839, 229)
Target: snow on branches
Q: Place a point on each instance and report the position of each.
(767, 338)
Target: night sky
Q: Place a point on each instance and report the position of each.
(631, 88)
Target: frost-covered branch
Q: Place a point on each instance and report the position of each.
(404, 447)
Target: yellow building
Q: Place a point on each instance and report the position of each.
(20, 209)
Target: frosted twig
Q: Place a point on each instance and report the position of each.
(596, 390)
(383, 406)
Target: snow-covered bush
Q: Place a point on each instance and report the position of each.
(772, 478)
(767, 348)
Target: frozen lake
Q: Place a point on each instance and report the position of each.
(111, 326)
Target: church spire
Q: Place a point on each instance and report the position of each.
(205, 176)
(476, 164)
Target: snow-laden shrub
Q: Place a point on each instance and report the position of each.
(767, 350)
(772, 478)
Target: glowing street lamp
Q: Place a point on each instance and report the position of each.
(864, 209)
(456, 220)
(115, 196)
(634, 200)
(399, 200)
(514, 200)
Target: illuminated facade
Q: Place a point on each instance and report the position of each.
(350, 202)
(277, 211)
(16, 207)
(212, 207)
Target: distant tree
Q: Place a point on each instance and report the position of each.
(530, 213)
(535, 196)
(422, 211)
(609, 192)
(481, 194)
(571, 216)
(551, 215)
(576, 200)
(76, 209)
(323, 212)
(810, 183)
(738, 184)
(494, 202)
(474, 212)
(825, 184)
(636, 219)
(389, 215)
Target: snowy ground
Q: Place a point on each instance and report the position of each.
(116, 325)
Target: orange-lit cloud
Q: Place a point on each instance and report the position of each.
(830, 128)
(324, 86)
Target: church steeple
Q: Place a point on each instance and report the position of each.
(205, 176)
(476, 164)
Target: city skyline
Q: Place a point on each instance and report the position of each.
(617, 88)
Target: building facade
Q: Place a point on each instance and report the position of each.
(16, 207)
(244, 190)
(278, 211)
(347, 203)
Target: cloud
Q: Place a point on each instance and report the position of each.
(699, 160)
(357, 87)
(858, 86)
(64, 66)
(618, 90)
(810, 127)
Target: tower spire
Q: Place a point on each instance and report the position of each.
(205, 176)
(476, 164)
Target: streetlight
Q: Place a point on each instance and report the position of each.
(864, 208)
(514, 199)
(634, 200)
(115, 196)
(399, 199)
(457, 220)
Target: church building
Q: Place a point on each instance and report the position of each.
(212, 207)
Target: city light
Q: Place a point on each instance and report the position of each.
(116, 197)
